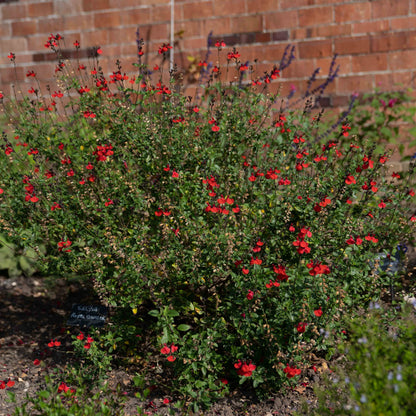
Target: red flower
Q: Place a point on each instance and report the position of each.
(165, 350)
(87, 346)
(166, 401)
(245, 271)
(64, 244)
(80, 336)
(244, 369)
(317, 268)
(36, 362)
(54, 343)
(256, 261)
(301, 327)
(250, 295)
(175, 174)
(63, 388)
(281, 273)
(318, 312)
(291, 371)
(55, 206)
(9, 383)
(350, 241)
(171, 358)
(350, 180)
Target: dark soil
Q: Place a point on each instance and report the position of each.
(31, 314)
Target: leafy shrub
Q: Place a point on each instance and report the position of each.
(221, 216)
(384, 118)
(376, 375)
(69, 398)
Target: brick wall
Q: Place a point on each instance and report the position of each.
(375, 40)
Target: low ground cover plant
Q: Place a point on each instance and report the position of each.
(376, 373)
(234, 229)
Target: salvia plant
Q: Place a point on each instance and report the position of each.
(236, 223)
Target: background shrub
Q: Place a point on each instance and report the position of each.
(224, 217)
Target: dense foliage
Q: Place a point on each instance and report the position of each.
(229, 218)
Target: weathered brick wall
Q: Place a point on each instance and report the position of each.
(375, 40)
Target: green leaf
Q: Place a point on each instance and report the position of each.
(184, 327)
(172, 313)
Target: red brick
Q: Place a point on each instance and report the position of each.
(353, 12)
(134, 3)
(107, 19)
(256, 6)
(389, 8)
(408, 22)
(219, 26)
(190, 28)
(93, 5)
(370, 27)
(315, 16)
(281, 20)
(37, 43)
(315, 49)
(155, 32)
(370, 62)
(9, 75)
(299, 68)
(404, 78)
(246, 24)
(402, 60)
(411, 39)
(122, 35)
(95, 38)
(24, 28)
(80, 23)
(328, 31)
(67, 7)
(344, 63)
(301, 33)
(5, 29)
(198, 10)
(160, 14)
(39, 9)
(295, 4)
(355, 83)
(13, 11)
(135, 16)
(129, 49)
(15, 45)
(49, 25)
(228, 7)
(389, 42)
(357, 44)
(193, 44)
